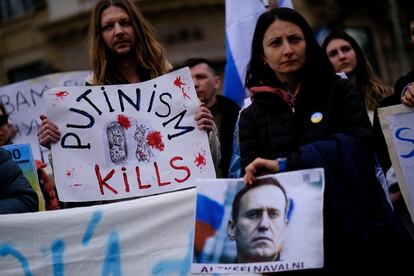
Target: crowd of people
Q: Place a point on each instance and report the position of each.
(302, 115)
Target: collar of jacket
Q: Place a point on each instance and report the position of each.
(288, 98)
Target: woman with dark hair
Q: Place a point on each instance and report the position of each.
(297, 98)
(347, 56)
(304, 116)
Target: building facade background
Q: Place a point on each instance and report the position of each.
(38, 37)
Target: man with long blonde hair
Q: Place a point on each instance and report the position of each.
(122, 45)
(123, 49)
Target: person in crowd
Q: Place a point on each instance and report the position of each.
(346, 56)
(258, 221)
(225, 111)
(16, 194)
(303, 116)
(123, 49)
(404, 87)
(46, 185)
(403, 93)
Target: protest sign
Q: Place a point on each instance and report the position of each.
(130, 140)
(145, 236)
(22, 155)
(266, 232)
(24, 103)
(397, 124)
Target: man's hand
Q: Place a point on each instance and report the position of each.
(204, 118)
(408, 98)
(48, 132)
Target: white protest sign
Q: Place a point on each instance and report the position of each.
(397, 124)
(24, 103)
(122, 141)
(270, 228)
(145, 236)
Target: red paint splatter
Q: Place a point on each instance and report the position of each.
(61, 94)
(200, 160)
(178, 82)
(154, 140)
(185, 95)
(124, 121)
(70, 173)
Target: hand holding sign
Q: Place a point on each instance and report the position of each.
(48, 132)
(129, 140)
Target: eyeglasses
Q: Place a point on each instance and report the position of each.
(4, 119)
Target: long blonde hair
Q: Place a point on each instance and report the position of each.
(149, 53)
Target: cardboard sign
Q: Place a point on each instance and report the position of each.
(268, 227)
(123, 141)
(397, 124)
(22, 155)
(24, 102)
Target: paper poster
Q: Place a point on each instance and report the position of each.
(397, 124)
(259, 228)
(121, 141)
(24, 102)
(22, 155)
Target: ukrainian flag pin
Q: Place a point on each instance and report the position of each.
(316, 117)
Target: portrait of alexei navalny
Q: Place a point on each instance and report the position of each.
(275, 224)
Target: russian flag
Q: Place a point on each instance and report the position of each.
(241, 18)
(209, 216)
(210, 212)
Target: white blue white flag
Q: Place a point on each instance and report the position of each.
(285, 3)
(241, 18)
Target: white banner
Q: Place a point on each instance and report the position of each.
(122, 141)
(24, 103)
(145, 236)
(397, 124)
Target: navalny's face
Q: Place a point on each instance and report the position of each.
(260, 226)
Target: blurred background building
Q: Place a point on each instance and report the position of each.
(38, 37)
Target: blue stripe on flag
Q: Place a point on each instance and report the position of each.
(285, 3)
(209, 211)
(233, 85)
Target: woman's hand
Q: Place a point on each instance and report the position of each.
(408, 98)
(258, 163)
(204, 118)
(48, 132)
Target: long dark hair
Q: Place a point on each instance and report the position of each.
(372, 89)
(317, 67)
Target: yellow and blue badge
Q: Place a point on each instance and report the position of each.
(316, 117)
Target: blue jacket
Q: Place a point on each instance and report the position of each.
(16, 194)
